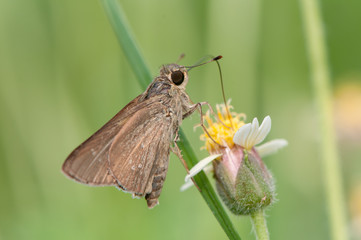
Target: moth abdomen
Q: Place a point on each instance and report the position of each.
(157, 185)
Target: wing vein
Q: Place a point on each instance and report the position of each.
(100, 152)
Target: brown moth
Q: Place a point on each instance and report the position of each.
(131, 151)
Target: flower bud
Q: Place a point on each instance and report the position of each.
(243, 181)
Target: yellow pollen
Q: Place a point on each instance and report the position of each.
(221, 130)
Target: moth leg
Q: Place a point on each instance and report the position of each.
(175, 149)
(177, 152)
(199, 107)
(210, 109)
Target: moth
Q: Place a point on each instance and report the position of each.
(131, 151)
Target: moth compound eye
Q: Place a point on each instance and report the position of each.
(177, 77)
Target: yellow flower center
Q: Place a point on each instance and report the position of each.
(221, 130)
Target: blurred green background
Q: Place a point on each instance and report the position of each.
(63, 75)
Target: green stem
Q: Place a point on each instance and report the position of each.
(207, 191)
(321, 84)
(127, 42)
(260, 225)
(137, 62)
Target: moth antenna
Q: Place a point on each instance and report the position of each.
(180, 58)
(204, 58)
(223, 94)
(200, 64)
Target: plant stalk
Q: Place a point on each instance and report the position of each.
(260, 225)
(320, 75)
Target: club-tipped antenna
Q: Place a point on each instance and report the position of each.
(197, 65)
(221, 78)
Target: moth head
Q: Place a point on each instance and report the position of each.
(176, 74)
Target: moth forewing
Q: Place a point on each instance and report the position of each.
(88, 163)
(131, 151)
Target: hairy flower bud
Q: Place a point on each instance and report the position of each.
(243, 181)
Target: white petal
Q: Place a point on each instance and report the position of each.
(208, 169)
(271, 147)
(263, 130)
(187, 185)
(190, 183)
(250, 141)
(241, 135)
(199, 166)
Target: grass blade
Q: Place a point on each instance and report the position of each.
(127, 42)
(320, 74)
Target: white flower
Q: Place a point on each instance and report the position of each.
(247, 137)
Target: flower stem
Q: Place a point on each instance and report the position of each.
(260, 225)
(321, 84)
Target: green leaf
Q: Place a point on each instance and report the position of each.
(129, 45)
